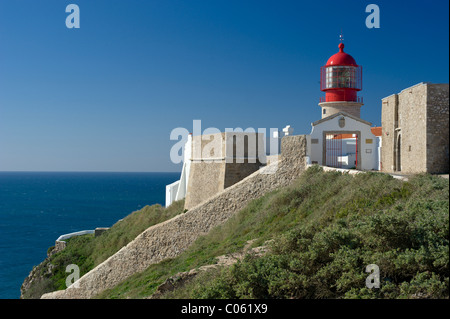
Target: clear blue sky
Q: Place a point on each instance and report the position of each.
(105, 97)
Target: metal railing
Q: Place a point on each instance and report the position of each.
(359, 99)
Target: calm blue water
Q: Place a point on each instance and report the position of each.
(36, 208)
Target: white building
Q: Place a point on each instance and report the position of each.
(344, 141)
(177, 190)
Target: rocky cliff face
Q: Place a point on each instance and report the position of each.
(36, 280)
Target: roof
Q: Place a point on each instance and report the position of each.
(342, 136)
(340, 114)
(376, 130)
(341, 58)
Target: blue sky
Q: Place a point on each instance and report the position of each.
(105, 97)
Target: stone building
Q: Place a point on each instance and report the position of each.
(221, 160)
(214, 162)
(415, 130)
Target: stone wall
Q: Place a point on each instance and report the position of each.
(172, 237)
(389, 121)
(438, 128)
(205, 180)
(415, 130)
(219, 161)
(235, 172)
(207, 168)
(412, 120)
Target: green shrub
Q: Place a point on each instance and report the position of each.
(404, 229)
(327, 227)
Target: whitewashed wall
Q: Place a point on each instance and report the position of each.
(171, 192)
(177, 190)
(368, 151)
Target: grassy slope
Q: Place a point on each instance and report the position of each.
(87, 251)
(327, 227)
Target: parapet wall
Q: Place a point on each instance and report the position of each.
(438, 128)
(172, 237)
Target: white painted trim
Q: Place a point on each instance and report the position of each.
(78, 233)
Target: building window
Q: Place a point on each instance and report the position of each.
(324, 111)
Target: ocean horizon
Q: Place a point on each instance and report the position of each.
(37, 207)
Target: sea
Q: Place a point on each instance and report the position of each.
(37, 207)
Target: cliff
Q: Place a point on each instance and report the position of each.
(88, 251)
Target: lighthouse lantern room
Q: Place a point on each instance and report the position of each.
(341, 79)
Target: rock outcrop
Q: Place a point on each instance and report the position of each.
(180, 279)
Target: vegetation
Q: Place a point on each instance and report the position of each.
(88, 251)
(326, 228)
(323, 231)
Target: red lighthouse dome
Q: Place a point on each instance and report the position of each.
(341, 58)
(341, 78)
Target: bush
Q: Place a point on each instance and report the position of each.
(402, 229)
(327, 227)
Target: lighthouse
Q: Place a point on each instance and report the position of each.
(341, 139)
(341, 79)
